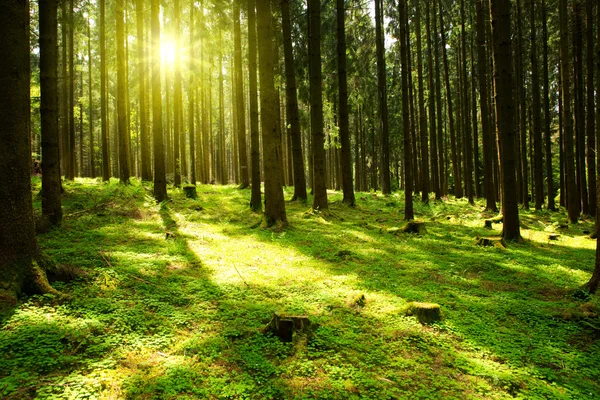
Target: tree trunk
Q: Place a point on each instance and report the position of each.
(51, 201)
(22, 265)
(590, 125)
(432, 106)
(458, 191)
(408, 202)
(486, 129)
(239, 103)
(160, 181)
(468, 146)
(92, 153)
(192, 99)
(177, 100)
(424, 177)
(123, 129)
(269, 103)
(346, 162)
(382, 95)
(103, 97)
(71, 108)
(502, 53)
(573, 200)
(547, 118)
(316, 106)
(537, 129)
(255, 200)
(141, 61)
(579, 107)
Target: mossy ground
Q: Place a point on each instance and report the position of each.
(178, 315)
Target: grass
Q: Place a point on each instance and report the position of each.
(175, 296)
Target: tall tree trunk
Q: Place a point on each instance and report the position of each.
(177, 99)
(431, 101)
(191, 99)
(466, 108)
(160, 181)
(537, 129)
(573, 199)
(502, 53)
(346, 162)
(547, 118)
(486, 131)
(92, 154)
(522, 108)
(579, 106)
(292, 105)
(424, 177)
(123, 130)
(255, 200)
(240, 112)
(408, 203)
(382, 94)
(103, 96)
(590, 125)
(458, 190)
(51, 201)
(442, 183)
(141, 60)
(22, 265)
(269, 104)
(71, 112)
(316, 106)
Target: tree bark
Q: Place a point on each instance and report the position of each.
(502, 53)
(408, 201)
(316, 107)
(103, 96)
(22, 264)
(537, 129)
(346, 162)
(573, 199)
(432, 107)
(123, 130)
(51, 201)
(239, 83)
(382, 94)
(547, 118)
(424, 177)
(590, 122)
(269, 104)
(160, 181)
(255, 199)
(141, 64)
(579, 107)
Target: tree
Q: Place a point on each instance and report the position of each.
(422, 114)
(316, 106)
(547, 118)
(103, 96)
(537, 128)
(144, 140)
(590, 122)
(382, 95)
(502, 54)
(269, 104)
(490, 193)
(239, 101)
(573, 200)
(177, 100)
(347, 185)
(192, 100)
(292, 105)
(51, 202)
(432, 106)
(255, 200)
(123, 129)
(22, 263)
(92, 152)
(160, 181)
(408, 203)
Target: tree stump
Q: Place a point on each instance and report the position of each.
(491, 241)
(190, 191)
(283, 326)
(491, 221)
(415, 227)
(553, 236)
(426, 313)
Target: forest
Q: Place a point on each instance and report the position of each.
(299, 199)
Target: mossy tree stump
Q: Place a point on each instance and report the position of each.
(414, 227)
(283, 326)
(489, 223)
(426, 313)
(190, 191)
(491, 241)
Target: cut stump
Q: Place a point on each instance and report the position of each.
(553, 236)
(190, 191)
(283, 326)
(415, 227)
(491, 241)
(426, 313)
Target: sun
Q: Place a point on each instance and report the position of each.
(167, 52)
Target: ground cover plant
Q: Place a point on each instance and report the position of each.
(172, 300)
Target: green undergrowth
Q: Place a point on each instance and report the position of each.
(174, 297)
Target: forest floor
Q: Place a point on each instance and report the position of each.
(173, 299)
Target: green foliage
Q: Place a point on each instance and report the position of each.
(181, 316)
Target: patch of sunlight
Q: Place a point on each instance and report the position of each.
(582, 276)
(361, 236)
